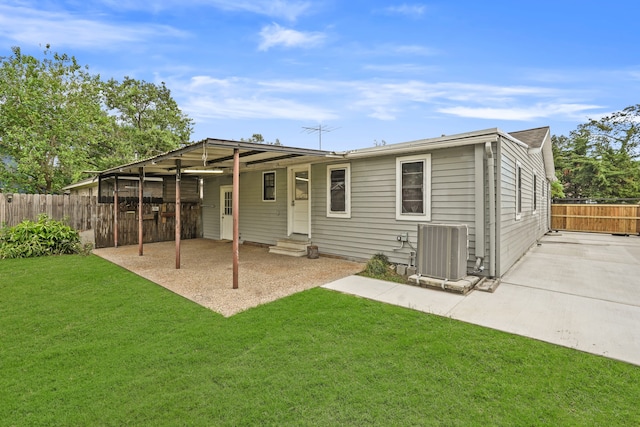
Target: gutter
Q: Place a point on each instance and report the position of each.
(426, 145)
(492, 208)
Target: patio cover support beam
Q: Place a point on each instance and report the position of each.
(235, 206)
(115, 212)
(140, 248)
(178, 230)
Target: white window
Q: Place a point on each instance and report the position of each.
(269, 186)
(413, 188)
(518, 190)
(339, 191)
(535, 192)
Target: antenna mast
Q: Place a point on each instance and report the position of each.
(319, 129)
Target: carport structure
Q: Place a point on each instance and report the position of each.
(202, 158)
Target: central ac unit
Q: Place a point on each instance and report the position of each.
(442, 251)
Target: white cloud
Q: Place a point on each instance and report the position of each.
(275, 35)
(208, 97)
(256, 108)
(525, 113)
(289, 10)
(412, 10)
(38, 27)
(398, 68)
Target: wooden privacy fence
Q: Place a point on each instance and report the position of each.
(77, 211)
(614, 219)
(158, 223)
(94, 220)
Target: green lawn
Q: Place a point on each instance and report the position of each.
(83, 342)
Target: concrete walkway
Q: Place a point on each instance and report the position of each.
(578, 290)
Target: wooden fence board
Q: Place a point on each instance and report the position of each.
(614, 219)
(84, 214)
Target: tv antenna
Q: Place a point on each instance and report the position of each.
(319, 129)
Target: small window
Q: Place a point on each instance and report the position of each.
(518, 190)
(413, 188)
(339, 191)
(268, 186)
(535, 192)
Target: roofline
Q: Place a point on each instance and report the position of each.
(219, 143)
(445, 141)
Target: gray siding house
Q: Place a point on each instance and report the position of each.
(357, 203)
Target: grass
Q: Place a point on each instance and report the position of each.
(83, 342)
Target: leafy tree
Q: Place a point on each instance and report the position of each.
(149, 120)
(57, 119)
(49, 115)
(600, 158)
(258, 138)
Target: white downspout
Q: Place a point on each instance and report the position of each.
(480, 225)
(492, 208)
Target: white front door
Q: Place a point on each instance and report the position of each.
(226, 212)
(300, 190)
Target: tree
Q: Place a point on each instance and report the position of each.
(259, 139)
(49, 115)
(600, 158)
(149, 120)
(57, 120)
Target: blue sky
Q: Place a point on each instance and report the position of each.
(369, 70)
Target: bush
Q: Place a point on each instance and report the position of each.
(43, 237)
(377, 265)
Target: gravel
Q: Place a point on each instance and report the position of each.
(206, 272)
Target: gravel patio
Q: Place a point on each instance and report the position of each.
(206, 273)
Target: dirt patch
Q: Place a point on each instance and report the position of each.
(206, 274)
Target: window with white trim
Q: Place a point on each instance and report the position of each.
(535, 192)
(518, 190)
(339, 191)
(413, 188)
(269, 186)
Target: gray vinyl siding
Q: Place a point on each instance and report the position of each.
(260, 222)
(373, 226)
(518, 235)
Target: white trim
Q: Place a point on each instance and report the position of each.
(347, 191)
(223, 189)
(535, 200)
(290, 190)
(426, 185)
(274, 186)
(518, 188)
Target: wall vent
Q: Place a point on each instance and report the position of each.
(442, 251)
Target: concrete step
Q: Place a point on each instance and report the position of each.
(293, 244)
(462, 286)
(280, 250)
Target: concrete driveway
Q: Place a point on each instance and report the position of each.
(578, 290)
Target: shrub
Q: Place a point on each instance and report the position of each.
(43, 237)
(377, 265)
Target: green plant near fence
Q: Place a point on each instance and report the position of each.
(38, 238)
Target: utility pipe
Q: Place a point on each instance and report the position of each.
(480, 206)
(178, 224)
(116, 208)
(235, 207)
(141, 177)
(492, 208)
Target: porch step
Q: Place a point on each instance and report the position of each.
(296, 248)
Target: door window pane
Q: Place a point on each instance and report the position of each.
(302, 185)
